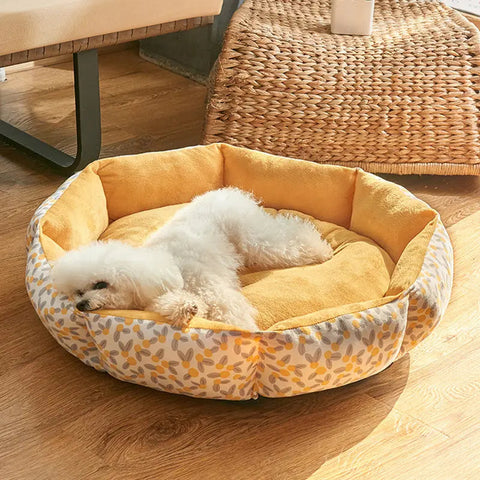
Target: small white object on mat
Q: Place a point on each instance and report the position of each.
(352, 17)
(3, 75)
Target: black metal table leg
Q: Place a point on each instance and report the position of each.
(87, 105)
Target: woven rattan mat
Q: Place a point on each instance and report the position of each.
(403, 100)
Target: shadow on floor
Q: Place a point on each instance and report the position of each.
(288, 438)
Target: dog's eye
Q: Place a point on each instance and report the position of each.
(79, 292)
(100, 285)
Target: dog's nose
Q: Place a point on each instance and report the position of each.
(83, 305)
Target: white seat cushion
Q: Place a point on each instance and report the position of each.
(28, 24)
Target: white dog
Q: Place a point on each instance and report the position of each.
(189, 266)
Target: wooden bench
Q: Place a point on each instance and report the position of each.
(33, 30)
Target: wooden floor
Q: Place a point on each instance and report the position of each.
(419, 419)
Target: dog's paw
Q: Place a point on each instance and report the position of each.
(325, 251)
(179, 307)
(181, 318)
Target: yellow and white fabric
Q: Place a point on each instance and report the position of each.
(320, 326)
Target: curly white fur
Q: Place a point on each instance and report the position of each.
(189, 266)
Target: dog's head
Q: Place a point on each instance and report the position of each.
(114, 275)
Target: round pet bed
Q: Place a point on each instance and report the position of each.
(320, 326)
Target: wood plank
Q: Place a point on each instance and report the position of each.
(53, 77)
(443, 388)
(269, 439)
(44, 62)
(398, 454)
(167, 108)
(48, 457)
(454, 197)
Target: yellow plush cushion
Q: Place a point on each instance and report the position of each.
(403, 216)
(379, 232)
(293, 184)
(141, 182)
(79, 218)
(281, 294)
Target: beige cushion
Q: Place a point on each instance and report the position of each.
(28, 24)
